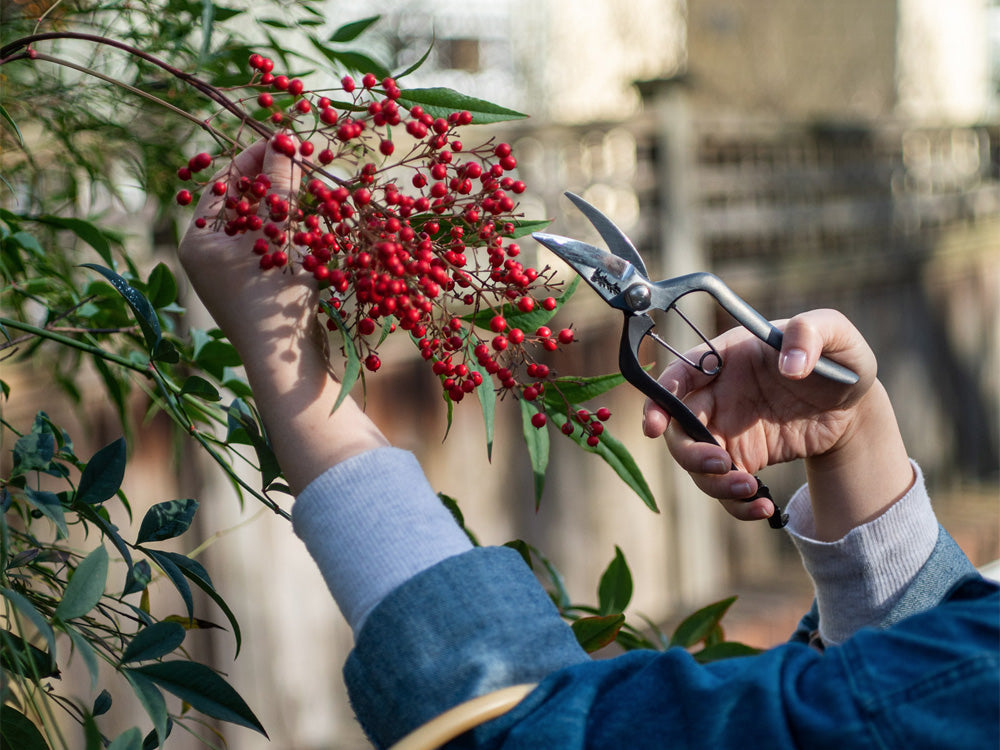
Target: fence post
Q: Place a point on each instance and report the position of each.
(699, 555)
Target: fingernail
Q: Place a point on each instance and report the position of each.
(715, 466)
(792, 363)
(742, 488)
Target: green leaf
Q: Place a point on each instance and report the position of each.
(17, 732)
(537, 440)
(86, 652)
(452, 505)
(525, 321)
(144, 313)
(352, 368)
(214, 355)
(169, 567)
(416, 65)
(85, 587)
(26, 608)
(523, 227)
(441, 102)
(203, 689)
(615, 589)
(351, 31)
(167, 520)
(102, 704)
(33, 452)
(355, 61)
(130, 739)
(10, 121)
(152, 701)
(103, 474)
(152, 642)
(20, 657)
(725, 650)
(199, 576)
(161, 287)
(197, 386)
(578, 390)
(593, 633)
(614, 454)
(89, 233)
(697, 626)
(47, 503)
(243, 428)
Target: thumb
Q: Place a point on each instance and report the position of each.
(280, 164)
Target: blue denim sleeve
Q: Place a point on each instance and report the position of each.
(930, 681)
(472, 624)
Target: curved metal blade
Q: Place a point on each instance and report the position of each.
(609, 275)
(618, 241)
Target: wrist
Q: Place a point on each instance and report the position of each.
(864, 473)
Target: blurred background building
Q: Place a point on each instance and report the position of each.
(841, 153)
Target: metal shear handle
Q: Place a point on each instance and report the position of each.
(664, 294)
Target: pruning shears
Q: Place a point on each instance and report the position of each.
(620, 278)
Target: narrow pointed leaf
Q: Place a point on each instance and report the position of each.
(195, 385)
(578, 390)
(103, 474)
(89, 233)
(167, 520)
(26, 608)
(85, 587)
(17, 732)
(82, 647)
(152, 701)
(13, 125)
(154, 641)
(47, 503)
(175, 575)
(725, 650)
(145, 315)
(615, 589)
(697, 626)
(351, 31)
(593, 633)
(199, 576)
(203, 689)
(352, 368)
(615, 455)
(441, 102)
(537, 440)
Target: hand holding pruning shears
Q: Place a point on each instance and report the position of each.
(754, 396)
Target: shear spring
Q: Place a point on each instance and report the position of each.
(709, 363)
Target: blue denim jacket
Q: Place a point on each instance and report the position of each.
(479, 621)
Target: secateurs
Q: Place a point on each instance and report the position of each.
(620, 278)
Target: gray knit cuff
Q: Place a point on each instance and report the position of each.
(371, 523)
(859, 577)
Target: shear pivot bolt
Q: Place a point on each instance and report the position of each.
(637, 297)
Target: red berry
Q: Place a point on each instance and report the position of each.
(306, 148)
(502, 150)
(566, 336)
(567, 428)
(372, 362)
(184, 197)
(369, 80)
(526, 304)
(325, 156)
(516, 335)
(265, 100)
(593, 441)
(366, 326)
(538, 420)
(543, 332)
(603, 414)
(549, 303)
(200, 161)
(184, 173)
(499, 343)
(348, 83)
(498, 324)
(386, 147)
(295, 87)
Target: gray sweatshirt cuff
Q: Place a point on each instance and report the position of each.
(371, 523)
(859, 577)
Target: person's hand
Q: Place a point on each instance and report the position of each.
(766, 408)
(254, 308)
(270, 317)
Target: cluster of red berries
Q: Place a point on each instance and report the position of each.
(422, 241)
